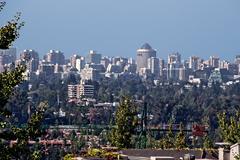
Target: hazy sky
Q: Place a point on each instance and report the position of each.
(119, 27)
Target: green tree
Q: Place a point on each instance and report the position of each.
(169, 139)
(68, 157)
(207, 142)
(229, 128)
(180, 141)
(126, 121)
(8, 81)
(9, 32)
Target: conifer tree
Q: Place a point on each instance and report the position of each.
(125, 124)
(229, 127)
(169, 139)
(180, 141)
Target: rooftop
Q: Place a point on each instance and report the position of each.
(146, 46)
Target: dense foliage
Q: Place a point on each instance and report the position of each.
(9, 32)
(126, 121)
(183, 103)
(14, 138)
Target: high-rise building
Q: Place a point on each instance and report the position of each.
(90, 74)
(172, 71)
(161, 65)
(80, 63)
(113, 68)
(143, 54)
(182, 74)
(153, 65)
(46, 68)
(86, 90)
(174, 58)
(55, 57)
(224, 64)
(73, 91)
(194, 63)
(105, 62)
(237, 59)
(130, 68)
(131, 61)
(73, 60)
(7, 56)
(214, 62)
(115, 60)
(82, 90)
(31, 58)
(215, 77)
(93, 57)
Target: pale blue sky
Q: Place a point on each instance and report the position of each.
(119, 27)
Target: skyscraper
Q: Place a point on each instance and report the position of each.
(143, 54)
(161, 65)
(237, 59)
(55, 57)
(31, 58)
(7, 56)
(174, 58)
(80, 63)
(93, 57)
(153, 65)
(194, 63)
(73, 60)
(214, 61)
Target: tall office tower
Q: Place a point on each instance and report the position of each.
(174, 58)
(80, 63)
(131, 61)
(46, 68)
(105, 62)
(93, 57)
(31, 58)
(172, 71)
(113, 68)
(58, 68)
(237, 59)
(182, 74)
(224, 64)
(124, 60)
(161, 66)
(89, 73)
(194, 63)
(55, 57)
(115, 60)
(130, 68)
(143, 54)
(73, 60)
(214, 61)
(153, 65)
(7, 56)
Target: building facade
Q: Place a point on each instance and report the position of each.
(143, 54)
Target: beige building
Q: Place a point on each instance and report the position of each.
(143, 54)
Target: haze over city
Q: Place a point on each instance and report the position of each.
(129, 79)
(201, 28)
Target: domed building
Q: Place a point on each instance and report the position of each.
(143, 54)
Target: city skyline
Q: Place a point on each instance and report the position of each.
(199, 28)
(134, 57)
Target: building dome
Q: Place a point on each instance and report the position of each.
(146, 46)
